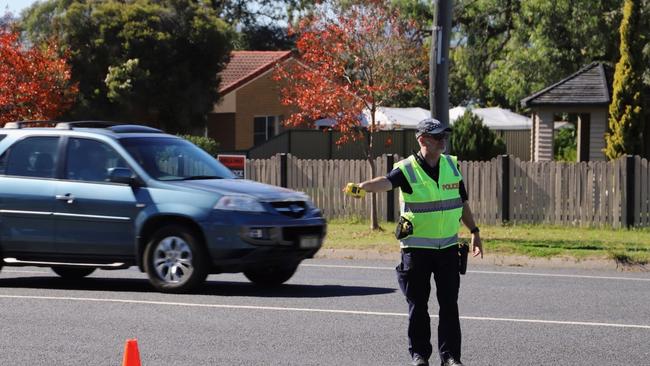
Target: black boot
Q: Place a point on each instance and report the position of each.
(419, 361)
(451, 362)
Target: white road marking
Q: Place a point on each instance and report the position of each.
(342, 266)
(392, 269)
(330, 311)
(564, 322)
(19, 271)
(490, 272)
(564, 275)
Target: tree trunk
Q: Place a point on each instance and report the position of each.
(374, 222)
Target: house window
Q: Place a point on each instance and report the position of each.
(265, 128)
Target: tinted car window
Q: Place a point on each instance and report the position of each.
(31, 157)
(90, 160)
(167, 158)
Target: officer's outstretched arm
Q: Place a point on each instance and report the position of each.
(379, 184)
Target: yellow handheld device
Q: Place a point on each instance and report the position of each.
(355, 191)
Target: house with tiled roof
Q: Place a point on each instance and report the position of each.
(249, 111)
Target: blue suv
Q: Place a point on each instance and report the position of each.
(86, 195)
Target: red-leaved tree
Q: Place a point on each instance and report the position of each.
(351, 59)
(34, 82)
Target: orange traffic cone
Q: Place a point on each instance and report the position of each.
(131, 353)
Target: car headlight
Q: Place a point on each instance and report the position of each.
(302, 196)
(239, 203)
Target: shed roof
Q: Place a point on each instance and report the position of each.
(590, 85)
(245, 66)
(494, 118)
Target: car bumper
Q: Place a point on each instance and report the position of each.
(238, 241)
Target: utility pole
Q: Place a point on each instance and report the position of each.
(439, 61)
(433, 59)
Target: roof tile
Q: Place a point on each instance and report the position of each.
(246, 65)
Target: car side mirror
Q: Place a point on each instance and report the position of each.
(121, 175)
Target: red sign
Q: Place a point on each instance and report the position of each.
(236, 163)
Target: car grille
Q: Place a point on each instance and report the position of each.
(293, 209)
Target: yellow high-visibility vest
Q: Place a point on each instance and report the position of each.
(433, 209)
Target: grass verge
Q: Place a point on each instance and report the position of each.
(627, 247)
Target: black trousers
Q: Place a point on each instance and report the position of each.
(414, 277)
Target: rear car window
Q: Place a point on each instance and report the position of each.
(31, 157)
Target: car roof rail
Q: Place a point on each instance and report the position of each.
(23, 124)
(116, 127)
(134, 129)
(86, 124)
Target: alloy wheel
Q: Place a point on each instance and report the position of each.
(172, 260)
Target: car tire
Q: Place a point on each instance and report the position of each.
(271, 275)
(175, 260)
(72, 273)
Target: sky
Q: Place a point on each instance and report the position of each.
(14, 6)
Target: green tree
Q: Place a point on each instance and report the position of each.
(645, 41)
(626, 125)
(565, 145)
(473, 141)
(505, 50)
(246, 13)
(264, 38)
(150, 60)
(483, 29)
(262, 24)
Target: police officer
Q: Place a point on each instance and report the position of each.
(433, 202)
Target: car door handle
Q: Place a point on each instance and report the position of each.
(65, 197)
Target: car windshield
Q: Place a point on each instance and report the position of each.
(169, 159)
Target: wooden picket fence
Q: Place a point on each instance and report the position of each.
(483, 184)
(595, 193)
(642, 191)
(614, 194)
(323, 181)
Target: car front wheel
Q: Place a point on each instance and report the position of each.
(271, 275)
(72, 273)
(175, 260)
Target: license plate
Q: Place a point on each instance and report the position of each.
(309, 242)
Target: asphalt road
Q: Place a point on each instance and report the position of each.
(332, 312)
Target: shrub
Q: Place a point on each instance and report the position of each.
(471, 140)
(206, 143)
(564, 145)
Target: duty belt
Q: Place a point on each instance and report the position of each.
(433, 206)
(439, 243)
